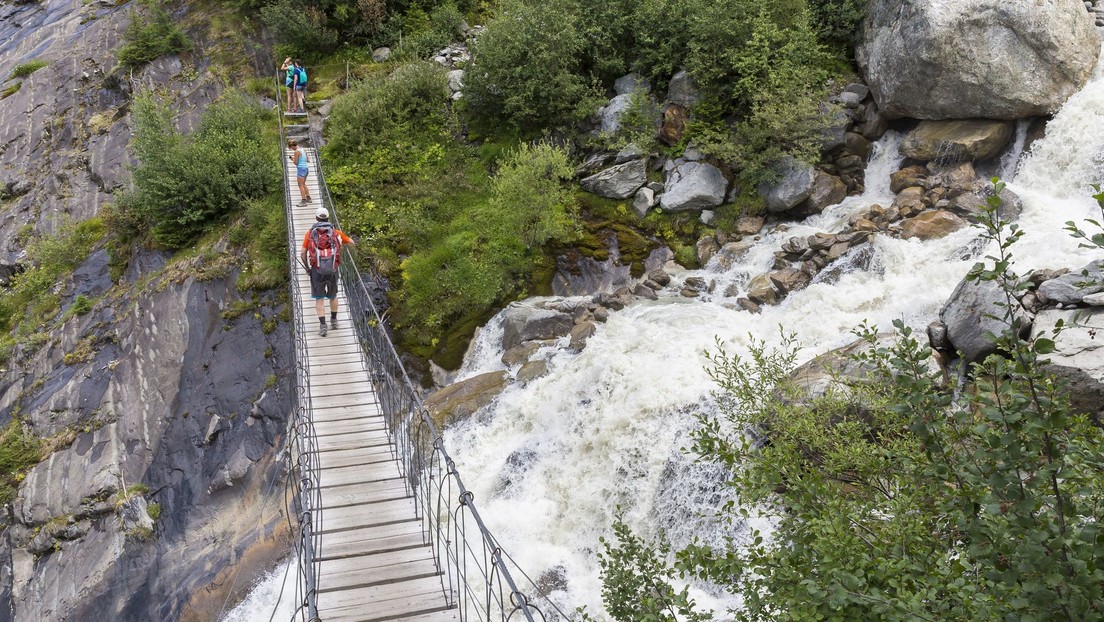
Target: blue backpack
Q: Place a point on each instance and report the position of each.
(302, 76)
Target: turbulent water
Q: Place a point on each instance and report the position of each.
(551, 462)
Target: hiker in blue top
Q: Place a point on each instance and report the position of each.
(291, 78)
(299, 157)
(301, 85)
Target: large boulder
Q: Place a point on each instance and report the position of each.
(827, 191)
(957, 140)
(794, 185)
(973, 313)
(609, 116)
(990, 59)
(682, 90)
(1078, 358)
(618, 182)
(931, 225)
(460, 400)
(1072, 287)
(522, 322)
(693, 186)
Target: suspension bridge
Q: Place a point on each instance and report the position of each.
(386, 529)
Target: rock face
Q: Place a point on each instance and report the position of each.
(170, 400)
(956, 141)
(924, 58)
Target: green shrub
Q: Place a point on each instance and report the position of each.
(838, 21)
(32, 300)
(184, 185)
(527, 73)
(10, 90)
(19, 451)
(25, 69)
(409, 101)
(426, 33)
(299, 28)
(149, 37)
(81, 305)
(489, 250)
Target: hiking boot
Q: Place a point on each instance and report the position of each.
(322, 331)
(333, 323)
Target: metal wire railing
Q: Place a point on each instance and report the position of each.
(478, 576)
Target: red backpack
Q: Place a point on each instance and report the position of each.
(325, 248)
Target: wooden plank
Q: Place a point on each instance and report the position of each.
(335, 397)
(368, 415)
(375, 540)
(367, 515)
(387, 567)
(360, 455)
(359, 494)
(353, 441)
(345, 427)
(345, 474)
(323, 368)
(382, 602)
(447, 615)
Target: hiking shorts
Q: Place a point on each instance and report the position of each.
(323, 286)
(301, 171)
(300, 87)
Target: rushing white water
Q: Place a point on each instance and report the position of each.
(550, 461)
(272, 599)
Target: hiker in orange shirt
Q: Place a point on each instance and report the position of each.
(322, 256)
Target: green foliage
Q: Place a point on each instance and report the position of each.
(182, 186)
(32, 300)
(488, 250)
(81, 305)
(263, 233)
(299, 28)
(528, 67)
(896, 495)
(154, 510)
(1091, 240)
(426, 33)
(10, 90)
(19, 451)
(374, 113)
(23, 70)
(770, 71)
(838, 21)
(637, 582)
(149, 37)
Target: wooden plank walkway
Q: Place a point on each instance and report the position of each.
(375, 564)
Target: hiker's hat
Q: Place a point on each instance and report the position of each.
(322, 214)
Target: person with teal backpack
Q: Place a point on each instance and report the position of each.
(291, 78)
(301, 85)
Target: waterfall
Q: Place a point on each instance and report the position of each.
(549, 462)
